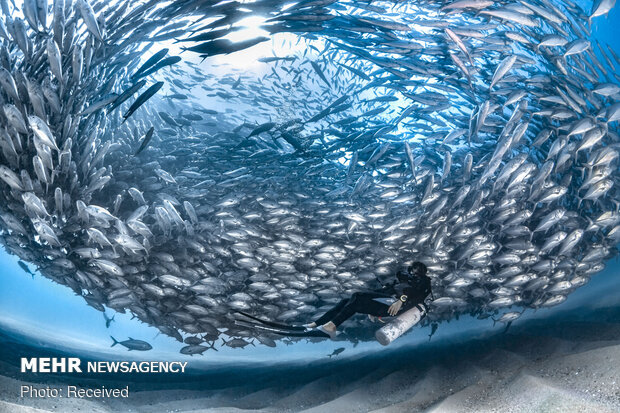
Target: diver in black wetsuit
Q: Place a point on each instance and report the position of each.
(410, 289)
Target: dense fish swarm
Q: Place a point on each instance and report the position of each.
(477, 136)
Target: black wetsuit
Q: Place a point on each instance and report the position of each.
(364, 302)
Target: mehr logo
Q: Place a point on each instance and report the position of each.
(51, 365)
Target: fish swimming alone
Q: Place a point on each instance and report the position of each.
(132, 344)
(336, 352)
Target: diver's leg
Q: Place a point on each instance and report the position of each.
(366, 304)
(361, 303)
(331, 313)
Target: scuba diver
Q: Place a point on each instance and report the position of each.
(409, 290)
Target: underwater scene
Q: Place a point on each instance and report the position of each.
(314, 205)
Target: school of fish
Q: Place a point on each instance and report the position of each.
(477, 136)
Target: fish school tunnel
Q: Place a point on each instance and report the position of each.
(183, 181)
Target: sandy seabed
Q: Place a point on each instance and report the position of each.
(544, 367)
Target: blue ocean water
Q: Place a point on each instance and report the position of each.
(41, 313)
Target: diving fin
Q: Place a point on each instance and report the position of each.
(283, 332)
(273, 324)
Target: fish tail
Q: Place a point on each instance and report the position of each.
(115, 341)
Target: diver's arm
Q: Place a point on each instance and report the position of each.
(402, 297)
(403, 292)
